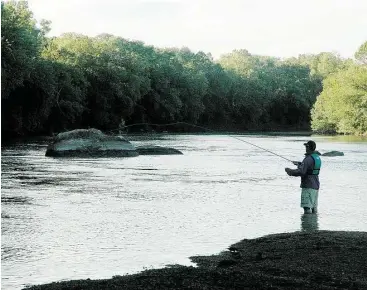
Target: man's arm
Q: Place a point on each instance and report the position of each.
(301, 168)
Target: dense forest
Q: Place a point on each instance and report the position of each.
(54, 84)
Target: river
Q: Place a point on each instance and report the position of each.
(64, 219)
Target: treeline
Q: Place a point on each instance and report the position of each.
(73, 81)
(342, 105)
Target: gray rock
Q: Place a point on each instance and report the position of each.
(157, 150)
(90, 143)
(333, 153)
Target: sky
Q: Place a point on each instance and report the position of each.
(280, 28)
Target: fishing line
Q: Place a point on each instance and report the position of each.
(207, 129)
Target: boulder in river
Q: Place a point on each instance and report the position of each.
(333, 153)
(90, 143)
(157, 150)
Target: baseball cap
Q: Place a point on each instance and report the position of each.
(311, 144)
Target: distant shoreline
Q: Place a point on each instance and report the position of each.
(299, 260)
(301, 133)
(270, 133)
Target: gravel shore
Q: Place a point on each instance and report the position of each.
(299, 260)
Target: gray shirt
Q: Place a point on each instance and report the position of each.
(307, 181)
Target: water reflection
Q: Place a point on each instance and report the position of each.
(309, 222)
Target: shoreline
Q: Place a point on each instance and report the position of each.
(133, 136)
(50, 138)
(297, 260)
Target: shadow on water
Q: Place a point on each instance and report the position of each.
(15, 199)
(309, 222)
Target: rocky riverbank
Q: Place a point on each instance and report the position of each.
(299, 260)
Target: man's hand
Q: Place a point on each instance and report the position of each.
(296, 163)
(288, 170)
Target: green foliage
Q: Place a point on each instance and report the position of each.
(20, 45)
(292, 92)
(270, 92)
(361, 54)
(239, 61)
(27, 83)
(342, 105)
(323, 64)
(75, 81)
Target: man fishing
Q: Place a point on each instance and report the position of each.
(309, 170)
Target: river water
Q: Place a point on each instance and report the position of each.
(64, 219)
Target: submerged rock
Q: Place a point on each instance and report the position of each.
(157, 150)
(90, 143)
(333, 153)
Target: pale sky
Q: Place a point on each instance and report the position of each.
(280, 28)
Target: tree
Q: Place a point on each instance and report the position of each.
(20, 45)
(74, 81)
(27, 80)
(322, 64)
(342, 105)
(361, 54)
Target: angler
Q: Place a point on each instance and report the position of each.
(309, 170)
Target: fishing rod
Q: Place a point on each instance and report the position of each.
(207, 129)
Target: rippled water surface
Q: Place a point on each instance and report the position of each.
(65, 219)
